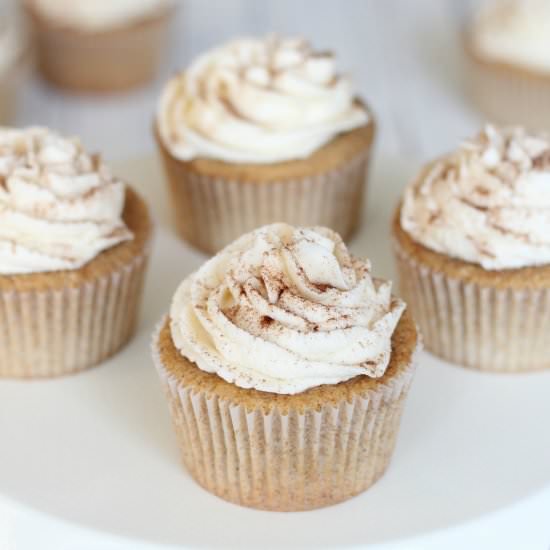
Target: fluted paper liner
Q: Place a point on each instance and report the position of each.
(474, 325)
(54, 332)
(211, 212)
(285, 460)
(98, 61)
(11, 79)
(509, 95)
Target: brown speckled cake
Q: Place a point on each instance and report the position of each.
(286, 367)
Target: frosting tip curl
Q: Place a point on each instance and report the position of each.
(257, 101)
(486, 203)
(59, 206)
(284, 309)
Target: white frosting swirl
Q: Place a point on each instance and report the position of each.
(59, 207)
(284, 309)
(487, 203)
(94, 15)
(514, 31)
(257, 101)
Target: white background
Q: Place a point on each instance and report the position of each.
(406, 60)
(404, 55)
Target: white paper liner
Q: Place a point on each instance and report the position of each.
(56, 332)
(285, 462)
(100, 61)
(476, 326)
(10, 81)
(212, 212)
(507, 96)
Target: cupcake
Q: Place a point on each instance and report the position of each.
(13, 56)
(472, 237)
(286, 366)
(99, 45)
(260, 131)
(508, 48)
(74, 242)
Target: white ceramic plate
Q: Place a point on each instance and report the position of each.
(96, 454)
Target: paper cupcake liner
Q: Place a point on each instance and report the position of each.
(100, 61)
(9, 86)
(485, 328)
(55, 332)
(212, 212)
(510, 96)
(297, 460)
(11, 80)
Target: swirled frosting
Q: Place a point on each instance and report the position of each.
(93, 15)
(257, 101)
(59, 206)
(514, 31)
(487, 203)
(284, 309)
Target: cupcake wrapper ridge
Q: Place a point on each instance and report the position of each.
(490, 329)
(103, 61)
(298, 460)
(55, 332)
(509, 96)
(211, 212)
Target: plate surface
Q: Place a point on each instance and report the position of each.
(96, 450)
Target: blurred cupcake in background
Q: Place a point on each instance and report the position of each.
(263, 130)
(14, 57)
(99, 45)
(508, 47)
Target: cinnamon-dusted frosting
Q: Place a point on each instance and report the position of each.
(59, 206)
(514, 31)
(96, 15)
(284, 309)
(257, 101)
(487, 203)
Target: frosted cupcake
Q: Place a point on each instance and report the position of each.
(74, 243)
(472, 237)
(508, 46)
(99, 45)
(286, 366)
(13, 56)
(260, 131)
